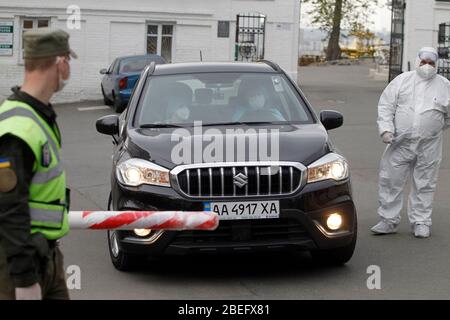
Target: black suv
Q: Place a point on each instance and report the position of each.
(236, 138)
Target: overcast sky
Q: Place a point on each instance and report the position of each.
(381, 20)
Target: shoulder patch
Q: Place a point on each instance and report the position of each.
(8, 180)
(46, 155)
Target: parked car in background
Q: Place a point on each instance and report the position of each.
(120, 78)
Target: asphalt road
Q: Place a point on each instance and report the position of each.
(410, 268)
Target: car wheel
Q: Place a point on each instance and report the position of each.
(106, 101)
(121, 260)
(118, 105)
(337, 256)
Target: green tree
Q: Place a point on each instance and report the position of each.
(334, 15)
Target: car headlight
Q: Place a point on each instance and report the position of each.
(331, 166)
(136, 172)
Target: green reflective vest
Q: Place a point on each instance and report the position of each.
(47, 194)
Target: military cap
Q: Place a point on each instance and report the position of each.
(46, 42)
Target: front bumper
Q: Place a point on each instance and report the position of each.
(301, 225)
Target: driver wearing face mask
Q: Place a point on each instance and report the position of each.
(256, 100)
(412, 114)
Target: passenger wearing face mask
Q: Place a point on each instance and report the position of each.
(412, 115)
(256, 100)
(34, 200)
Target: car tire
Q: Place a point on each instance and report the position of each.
(106, 101)
(118, 105)
(337, 256)
(123, 261)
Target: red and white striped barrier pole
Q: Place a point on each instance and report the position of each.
(156, 220)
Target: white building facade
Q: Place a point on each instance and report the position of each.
(179, 30)
(416, 23)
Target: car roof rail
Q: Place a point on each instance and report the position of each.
(271, 64)
(151, 68)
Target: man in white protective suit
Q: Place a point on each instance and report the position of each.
(412, 115)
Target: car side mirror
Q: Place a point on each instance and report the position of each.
(108, 125)
(331, 119)
(103, 71)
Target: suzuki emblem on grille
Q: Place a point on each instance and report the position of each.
(240, 180)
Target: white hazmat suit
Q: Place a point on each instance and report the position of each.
(414, 107)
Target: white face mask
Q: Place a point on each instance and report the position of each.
(426, 71)
(257, 102)
(61, 83)
(177, 109)
(182, 113)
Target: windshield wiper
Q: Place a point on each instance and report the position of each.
(160, 125)
(231, 123)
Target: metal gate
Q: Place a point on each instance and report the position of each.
(397, 38)
(250, 37)
(444, 50)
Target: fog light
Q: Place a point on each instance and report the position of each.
(142, 232)
(334, 221)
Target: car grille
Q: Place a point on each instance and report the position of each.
(235, 180)
(282, 229)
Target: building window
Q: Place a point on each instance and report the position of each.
(30, 24)
(250, 37)
(160, 40)
(223, 29)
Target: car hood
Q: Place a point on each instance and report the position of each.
(297, 143)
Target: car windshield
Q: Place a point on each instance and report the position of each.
(137, 64)
(220, 98)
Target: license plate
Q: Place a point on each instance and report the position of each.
(245, 210)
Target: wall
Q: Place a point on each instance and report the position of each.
(114, 28)
(422, 19)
